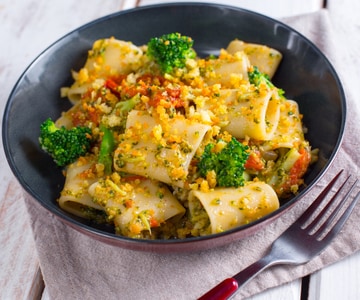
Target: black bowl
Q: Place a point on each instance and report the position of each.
(305, 75)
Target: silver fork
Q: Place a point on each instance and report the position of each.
(301, 242)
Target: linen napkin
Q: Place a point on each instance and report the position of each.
(77, 267)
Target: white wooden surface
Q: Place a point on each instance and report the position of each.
(273, 8)
(28, 27)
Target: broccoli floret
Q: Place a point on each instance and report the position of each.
(106, 148)
(64, 145)
(228, 163)
(171, 51)
(256, 77)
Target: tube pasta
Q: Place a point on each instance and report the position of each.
(255, 116)
(160, 151)
(137, 207)
(265, 58)
(108, 57)
(289, 132)
(227, 208)
(234, 67)
(74, 197)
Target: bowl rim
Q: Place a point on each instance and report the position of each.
(112, 238)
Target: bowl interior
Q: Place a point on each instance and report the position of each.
(305, 75)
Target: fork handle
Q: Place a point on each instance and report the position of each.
(225, 289)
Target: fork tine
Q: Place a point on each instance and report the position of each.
(340, 223)
(311, 209)
(316, 221)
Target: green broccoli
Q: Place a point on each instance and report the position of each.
(106, 148)
(171, 51)
(121, 110)
(64, 145)
(256, 77)
(228, 163)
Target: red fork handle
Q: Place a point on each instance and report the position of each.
(222, 291)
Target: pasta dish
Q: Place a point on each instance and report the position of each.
(196, 149)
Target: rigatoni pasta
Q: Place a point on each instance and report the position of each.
(106, 58)
(255, 115)
(75, 197)
(136, 205)
(157, 149)
(222, 209)
(265, 58)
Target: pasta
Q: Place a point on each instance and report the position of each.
(107, 57)
(224, 208)
(75, 196)
(265, 58)
(136, 205)
(289, 131)
(163, 123)
(168, 164)
(258, 123)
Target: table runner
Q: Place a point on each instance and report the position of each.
(77, 267)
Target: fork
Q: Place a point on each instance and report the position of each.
(302, 241)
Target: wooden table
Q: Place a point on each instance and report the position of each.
(28, 27)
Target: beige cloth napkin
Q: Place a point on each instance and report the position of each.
(77, 267)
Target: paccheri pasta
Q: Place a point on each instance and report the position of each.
(160, 125)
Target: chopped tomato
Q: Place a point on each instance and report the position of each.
(150, 79)
(147, 85)
(154, 222)
(113, 84)
(155, 99)
(133, 177)
(300, 166)
(254, 162)
(129, 203)
(94, 116)
(78, 118)
(167, 98)
(129, 91)
(296, 172)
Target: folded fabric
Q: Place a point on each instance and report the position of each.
(77, 267)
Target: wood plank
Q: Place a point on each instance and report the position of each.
(17, 253)
(28, 27)
(338, 281)
(274, 8)
(341, 280)
(289, 291)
